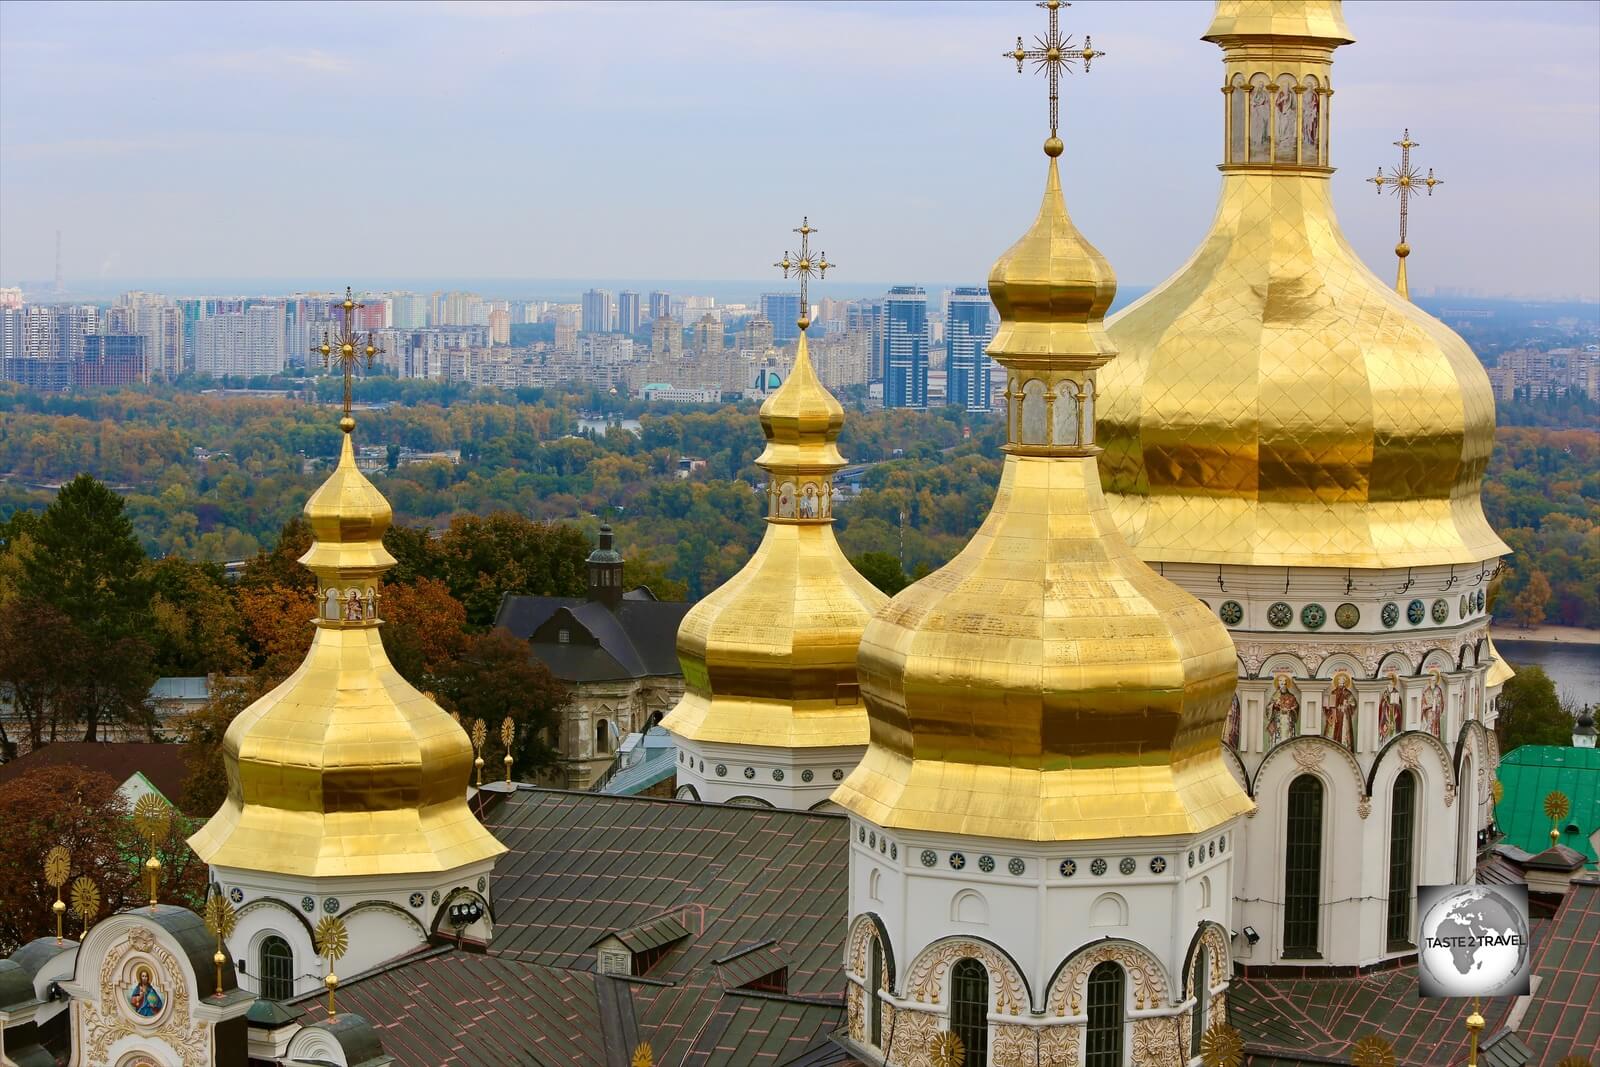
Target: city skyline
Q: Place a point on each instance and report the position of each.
(512, 166)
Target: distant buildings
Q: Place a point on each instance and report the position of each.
(597, 317)
(968, 330)
(905, 341)
(660, 304)
(499, 327)
(629, 316)
(783, 311)
(244, 343)
(666, 338)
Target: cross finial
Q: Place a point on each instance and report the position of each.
(1053, 54)
(804, 267)
(1403, 181)
(347, 348)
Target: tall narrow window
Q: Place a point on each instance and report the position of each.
(874, 1004)
(1202, 994)
(277, 969)
(1302, 862)
(969, 1009)
(1402, 831)
(1103, 1047)
(602, 737)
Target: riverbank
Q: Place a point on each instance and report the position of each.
(1566, 635)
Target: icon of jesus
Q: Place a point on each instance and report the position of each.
(145, 999)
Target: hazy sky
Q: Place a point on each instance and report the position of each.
(326, 140)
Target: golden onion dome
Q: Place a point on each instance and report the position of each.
(1046, 684)
(769, 658)
(1275, 403)
(345, 768)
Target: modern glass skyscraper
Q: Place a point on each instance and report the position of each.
(660, 304)
(783, 311)
(905, 337)
(628, 312)
(968, 329)
(597, 311)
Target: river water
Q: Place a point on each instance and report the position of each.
(1574, 668)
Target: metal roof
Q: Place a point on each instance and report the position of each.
(636, 640)
(1531, 773)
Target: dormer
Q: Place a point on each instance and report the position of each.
(634, 950)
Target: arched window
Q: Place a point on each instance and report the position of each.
(277, 969)
(1402, 832)
(1202, 994)
(1103, 1045)
(1302, 869)
(874, 983)
(602, 737)
(969, 1009)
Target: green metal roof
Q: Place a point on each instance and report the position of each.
(1531, 773)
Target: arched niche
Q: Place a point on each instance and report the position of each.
(927, 976)
(969, 906)
(1148, 982)
(1108, 909)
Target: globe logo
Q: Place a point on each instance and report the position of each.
(1474, 941)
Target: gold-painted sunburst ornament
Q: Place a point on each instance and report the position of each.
(1556, 805)
(1221, 1046)
(1372, 1051)
(480, 734)
(1053, 54)
(804, 267)
(57, 865)
(643, 1056)
(508, 735)
(152, 818)
(1499, 790)
(948, 1051)
(1576, 1061)
(332, 941)
(85, 901)
(220, 919)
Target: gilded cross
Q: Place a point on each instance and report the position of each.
(1053, 53)
(348, 347)
(804, 267)
(1403, 181)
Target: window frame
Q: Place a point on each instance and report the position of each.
(1107, 1016)
(969, 995)
(1302, 867)
(278, 970)
(1402, 862)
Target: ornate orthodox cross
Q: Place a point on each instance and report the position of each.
(1404, 180)
(1052, 54)
(348, 347)
(804, 267)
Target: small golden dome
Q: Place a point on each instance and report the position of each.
(344, 768)
(769, 658)
(1046, 685)
(1275, 403)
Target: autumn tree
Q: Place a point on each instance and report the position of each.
(39, 649)
(496, 677)
(202, 730)
(282, 566)
(195, 626)
(423, 629)
(277, 623)
(1530, 712)
(1528, 607)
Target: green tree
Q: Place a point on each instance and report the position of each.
(1530, 713)
(882, 570)
(495, 678)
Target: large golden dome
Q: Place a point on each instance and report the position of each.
(1275, 402)
(344, 768)
(1046, 684)
(769, 659)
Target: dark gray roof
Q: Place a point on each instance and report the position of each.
(636, 640)
(16, 985)
(650, 934)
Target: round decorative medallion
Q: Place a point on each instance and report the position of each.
(330, 905)
(1463, 608)
(1191, 857)
(872, 839)
(722, 770)
(894, 851)
(957, 861)
(1232, 614)
(483, 883)
(1280, 615)
(1441, 610)
(838, 775)
(682, 756)
(1016, 866)
(777, 774)
(929, 858)
(749, 772)
(1212, 849)
(1127, 866)
(1312, 616)
(883, 844)
(1097, 867)
(1416, 611)
(1347, 615)
(1222, 843)
(308, 904)
(417, 900)
(434, 899)
(861, 833)
(236, 894)
(1391, 614)
(1158, 865)
(1480, 600)
(985, 864)
(1069, 868)
(807, 774)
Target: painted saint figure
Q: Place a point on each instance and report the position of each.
(1433, 706)
(1311, 102)
(144, 999)
(1288, 119)
(808, 502)
(352, 606)
(1260, 120)
(1283, 711)
(1339, 713)
(1391, 711)
(1231, 732)
(786, 501)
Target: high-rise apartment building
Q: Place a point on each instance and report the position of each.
(111, 359)
(968, 330)
(707, 336)
(666, 338)
(629, 316)
(783, 311)
(660, 304)
(867, 315)
(408, 311)
(597, 308)
(757, 336)
(905, 343)
(500, 327)
(244, 343)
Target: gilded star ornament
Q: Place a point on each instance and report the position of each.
(332, 938)
(1052, 54)
(804, 267)
(85, 900)
(348, 348)
(1372, 1051)
(642, 1056)
(948, 1051)
(1404, 180)
(152, 818)
(57, 865)
(1221, 1046)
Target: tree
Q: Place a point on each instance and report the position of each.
(424, 629)
(194, 621)
(1530, 713)
(86, 560)
(882, 570)
(202, 731)
(278, 630)
(282, 565)
(39, 648)
(496, 677)
(1528, 607)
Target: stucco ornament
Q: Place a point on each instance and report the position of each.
(102, 1024)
